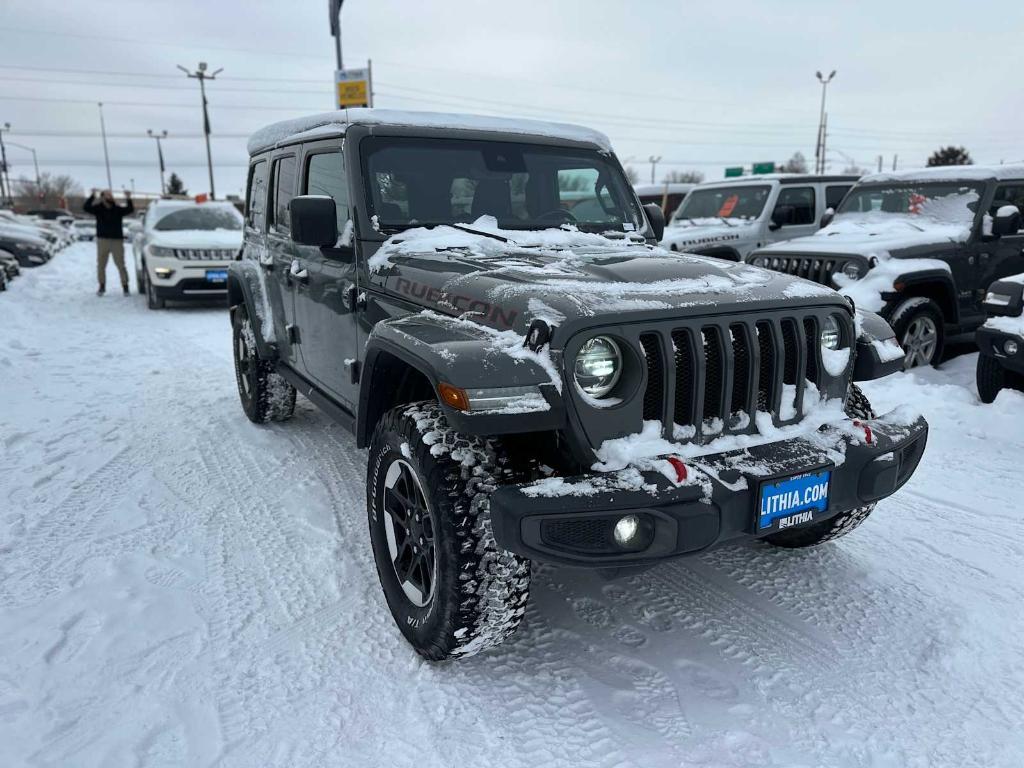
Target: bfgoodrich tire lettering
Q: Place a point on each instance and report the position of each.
(479, 591)
(857, 407)
(265, 394)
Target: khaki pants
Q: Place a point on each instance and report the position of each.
(106, 248)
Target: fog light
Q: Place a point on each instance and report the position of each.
(626, 530)
(1010, 347)
(163, 272)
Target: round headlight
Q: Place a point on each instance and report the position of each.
(830, 333)
(852, 270)
(598, 366)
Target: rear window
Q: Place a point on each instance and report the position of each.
(221, 217)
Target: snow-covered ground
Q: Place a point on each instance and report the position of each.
(180, 587)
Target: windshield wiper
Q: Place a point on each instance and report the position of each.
(472, 231)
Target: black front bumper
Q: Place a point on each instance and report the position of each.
(993, 344)
(569, 521)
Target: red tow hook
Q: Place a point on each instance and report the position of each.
(679, 467)
(868, 437)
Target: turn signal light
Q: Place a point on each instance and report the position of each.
(454, 396)
(679, 467)
(868, 437)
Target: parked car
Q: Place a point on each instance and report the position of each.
(27, 247)
(85, 229)
(51, 214)
(533, 391)
(183, 250)
(1001, 339)
(9, 265)
(921, 247)
(666, 196)
(729, 219)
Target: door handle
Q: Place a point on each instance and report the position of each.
(298, 272)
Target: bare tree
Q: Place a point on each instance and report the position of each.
(796, 164)
(683, 177)
(50, 191)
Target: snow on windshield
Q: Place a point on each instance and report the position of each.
(949, 207)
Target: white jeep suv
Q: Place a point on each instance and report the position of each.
(183, 250)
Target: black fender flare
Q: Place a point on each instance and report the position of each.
(906, 282)
(247, 288)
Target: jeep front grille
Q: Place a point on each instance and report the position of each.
(818, 269)
(711, 378)
(205, 254)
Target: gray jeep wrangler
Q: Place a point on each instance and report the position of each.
(534, 378)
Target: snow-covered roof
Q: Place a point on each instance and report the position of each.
(330, 123)
(949, 173)
(660, 189)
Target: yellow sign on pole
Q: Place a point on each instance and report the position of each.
(352, 87)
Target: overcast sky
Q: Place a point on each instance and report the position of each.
(701, 84)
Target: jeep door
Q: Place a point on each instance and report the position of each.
(1003, 257)
(325, 306)
(796, 211)
(281, 252)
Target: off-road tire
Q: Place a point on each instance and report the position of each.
(912, 310)
(479, 591)
(991, 378)
(857, 407)
(265, 394)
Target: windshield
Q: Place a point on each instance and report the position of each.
(427, 182)
(744, 202)
(221, 217)
(949, 202)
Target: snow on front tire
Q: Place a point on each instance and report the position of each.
(265, 394)
(857, 407)
(476, 595)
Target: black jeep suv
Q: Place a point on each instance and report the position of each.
(535, 378)
(920, 247)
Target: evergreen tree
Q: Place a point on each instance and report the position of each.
(950, 156)
(175, 186)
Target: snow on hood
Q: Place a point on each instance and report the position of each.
(338, 122)
(197, 238)
(875, 234)
(563, 272)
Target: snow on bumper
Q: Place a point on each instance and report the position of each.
(714, 500)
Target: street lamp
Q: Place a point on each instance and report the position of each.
(6, 193)
(106, 154)
(35, 162)
(334, 9)
(202, 77)
(159, 154)
(819, 150)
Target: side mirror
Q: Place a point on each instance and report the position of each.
(781, 216)
(656, 217)
(827, 216)
(1006, 221)
(314, 220)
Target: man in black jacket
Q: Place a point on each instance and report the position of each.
(109, 234)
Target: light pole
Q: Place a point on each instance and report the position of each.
(202, 77)
(334, 8)
(160, 155)
(6, 193)
(106, 154)
(654, 162)
(819, 150)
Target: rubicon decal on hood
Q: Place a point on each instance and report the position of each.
(495, 314)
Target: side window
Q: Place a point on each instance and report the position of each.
(834, 195)
(256, 195)
(799, 202)
(1008, 194)
(284, 191)
(325, 175)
